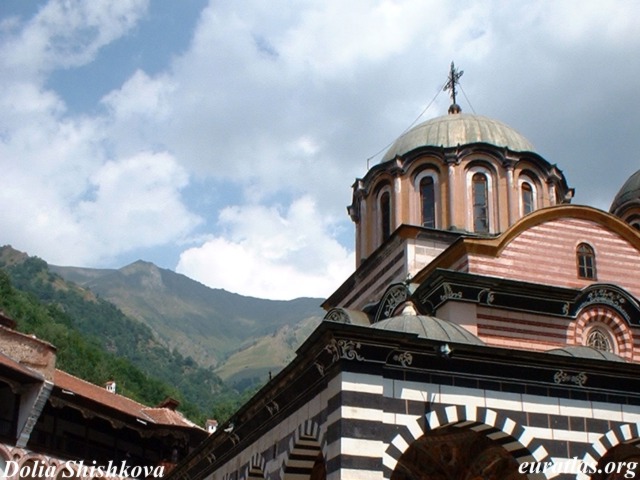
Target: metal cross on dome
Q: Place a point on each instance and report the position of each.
(454, 76)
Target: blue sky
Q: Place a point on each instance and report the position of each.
(221, 139)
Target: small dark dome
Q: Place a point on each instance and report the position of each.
(428, 327)
(628, 195)
(581, 351)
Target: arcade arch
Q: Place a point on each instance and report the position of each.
(454, 453)
(305, 461)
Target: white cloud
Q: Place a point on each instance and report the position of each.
(141, 96)
(270, 253)
(46, 160)
(334, 38)
(53, 161)
(136, 201)
(67, 33)
(123, 205)
(273, 101)
(138, 114)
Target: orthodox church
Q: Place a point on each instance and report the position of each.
(490, 330)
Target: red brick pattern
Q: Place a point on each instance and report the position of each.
(546, 254)
(521, 330)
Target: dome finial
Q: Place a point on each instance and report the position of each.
(452, 81)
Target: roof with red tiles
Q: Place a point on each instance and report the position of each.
(166, 416)
(81, 388)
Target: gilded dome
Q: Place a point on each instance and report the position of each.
(428, 327)
(459, 129)
(629, 193)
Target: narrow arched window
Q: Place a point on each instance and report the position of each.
(428, 202)
(586, 259)
(526, 192)
(385, 215)
(480, 194)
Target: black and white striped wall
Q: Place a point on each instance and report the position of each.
(362, 423)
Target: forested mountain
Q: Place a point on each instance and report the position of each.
(85, 356)
(97, 342)
(150, 329)
(206, 324)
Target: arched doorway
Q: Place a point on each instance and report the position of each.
(620, 462)
(452, 453)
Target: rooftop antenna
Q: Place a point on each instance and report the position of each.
(452, 81)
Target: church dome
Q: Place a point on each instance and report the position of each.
(459, 129)
(428, 327)
(581, 351)
(629, 193)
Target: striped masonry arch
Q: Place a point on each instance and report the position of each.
(304, 447)
(626, 433)
(490, 423)
(256, 467)
(606, 316)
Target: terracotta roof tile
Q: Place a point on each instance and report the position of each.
(166, 416)
(115, 401)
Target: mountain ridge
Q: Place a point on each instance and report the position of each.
(211, 325)
(241, 338)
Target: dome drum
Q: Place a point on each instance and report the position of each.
(485, 177)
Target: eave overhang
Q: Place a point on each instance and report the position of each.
(444, 286)
(63, 396)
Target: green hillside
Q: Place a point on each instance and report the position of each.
(170, 327)
(97, 342)
(203, 323)
(266, 354)
(84, 356)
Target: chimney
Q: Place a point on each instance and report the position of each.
(110, 386)
(211, 425)
(169, 403)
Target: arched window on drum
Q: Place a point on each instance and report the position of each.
(480, 198)
(383, 214)
(426, 203)
(527, 198)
